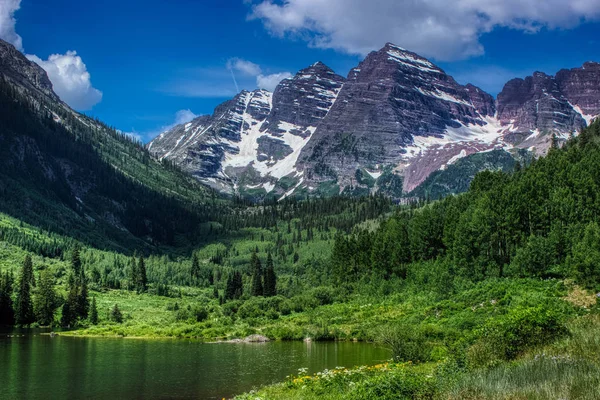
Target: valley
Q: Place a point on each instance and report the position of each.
(460, 248)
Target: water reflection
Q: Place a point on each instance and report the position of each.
(41, 367)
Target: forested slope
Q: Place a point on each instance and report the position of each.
(539, 221)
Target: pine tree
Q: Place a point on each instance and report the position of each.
(69, 309)
(230, 288)
(24, 307)
(257, 276)
(45, 299)
(195, 271)
(66, 318)
(116, 315)
(7, 313)
(76, 261)
(94, 312)
(28, 270)
(270, 288)
(134, 274)
(238, 285)
(142, 280)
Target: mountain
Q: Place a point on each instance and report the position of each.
(73, 175)
(251, 143)
(396, 119)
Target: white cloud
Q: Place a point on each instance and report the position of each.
(8, 22)
(184, 116)
(270, 82)
(243, 66)
(181, 117)
(70, 79)
(67, 72)
(441, 29)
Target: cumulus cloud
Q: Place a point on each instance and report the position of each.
(70, 79)
(8, 22)
(270, 82)
(244, 66)
(67, 72)
(434, 28)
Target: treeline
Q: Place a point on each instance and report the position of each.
(27, 300)
(539, 221)
(322, 214)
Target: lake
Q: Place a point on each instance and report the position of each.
(40, 367)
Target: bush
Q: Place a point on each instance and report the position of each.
(200, 313)
(507, 337)
(405, 343)
(324, 295)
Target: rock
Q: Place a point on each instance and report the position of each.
(15, 66)
(534, 106)
(256, 339)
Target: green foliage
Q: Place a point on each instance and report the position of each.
(508, 336)
(585, 259)
(94, 319)
(24, 314)
(270, 279)
(257, 276)
(535, 258)
(116, 315)
(404, 342)
(46, 300)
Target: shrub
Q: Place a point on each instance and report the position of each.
(405, 343)
(507, 337)
(200, 313)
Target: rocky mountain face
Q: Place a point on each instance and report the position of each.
(396, 119)
(25, 74)
(533, 106)
(251, 143)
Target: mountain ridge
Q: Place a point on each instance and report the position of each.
(396, 114)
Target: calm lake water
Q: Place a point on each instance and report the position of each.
(40, 367)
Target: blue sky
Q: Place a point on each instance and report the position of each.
(154, 58)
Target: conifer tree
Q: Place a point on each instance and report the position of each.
(7, 312)
(45, 299)
(134, 274)
(257, 276)
(195, 271)
(238, 284)
(116, 315)
(24, 307)
(76, 261)
(69, 309)
(94, 312)
(142, 280)
(270, 288)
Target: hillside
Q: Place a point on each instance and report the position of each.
(75, 176)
